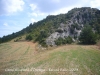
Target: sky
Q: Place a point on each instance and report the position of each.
(18, 14)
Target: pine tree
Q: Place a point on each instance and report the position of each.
(87, 36)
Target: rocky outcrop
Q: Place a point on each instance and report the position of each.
(63, 31)
(77, 18)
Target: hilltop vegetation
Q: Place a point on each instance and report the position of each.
(87, 36)
(48, 30)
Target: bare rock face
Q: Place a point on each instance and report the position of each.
(50, 40)
(63, 31)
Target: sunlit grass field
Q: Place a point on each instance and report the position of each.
(23, 58)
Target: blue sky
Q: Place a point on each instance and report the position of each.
(18, 14)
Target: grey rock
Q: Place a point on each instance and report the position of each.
(66, 28)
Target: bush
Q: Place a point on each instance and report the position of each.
(59, 30)
(16, 40)
(72, 30)
(61, 41)
(68, 40)
(29, 37)
(87, 36)
(42, 35)
(44, 44)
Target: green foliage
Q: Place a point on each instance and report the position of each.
(68, 40)
(59, 30)
(87, 36)
(61, 41)
(73, 26)
(72, 29)
(42, 35)
(41, 38)
(97, 27)
(18, 39)
(0, 40)
(43, 43)
(29, 37)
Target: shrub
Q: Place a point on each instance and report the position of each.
(68, 40)
(29, 37)
(16, 40)
(61, 41)
(87, 36)
(72, 30)
(59, 30)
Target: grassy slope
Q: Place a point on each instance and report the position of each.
(75, 59)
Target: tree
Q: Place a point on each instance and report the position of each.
(29, 37)
(42, 35)
(87, 36)
(59, 41)
(72, 29)
(0, 40)
(68, 40)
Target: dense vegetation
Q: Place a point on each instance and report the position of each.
(87, 36)
(29, 37)
(40, 30)
(61, 41)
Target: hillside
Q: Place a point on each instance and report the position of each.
(48, 30)
(23, 58)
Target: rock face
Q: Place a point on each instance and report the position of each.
(76, 20)
(63, 31)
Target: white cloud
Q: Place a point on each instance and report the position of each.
(60, 6)
(37, 14)
(56, 1)
(63, 10)
(54, 7)
(33, 6)
(95, 3)
(35, 11)
(5, 24)
(33, 14)
(10, 6)
(33, 20)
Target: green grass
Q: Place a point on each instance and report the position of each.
(87, 61)
(84, 60)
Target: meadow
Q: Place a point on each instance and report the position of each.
(25, 58)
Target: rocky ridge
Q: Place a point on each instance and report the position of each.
(79, 17)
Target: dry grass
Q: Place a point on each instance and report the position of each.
(25, 55)
(98, 44)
